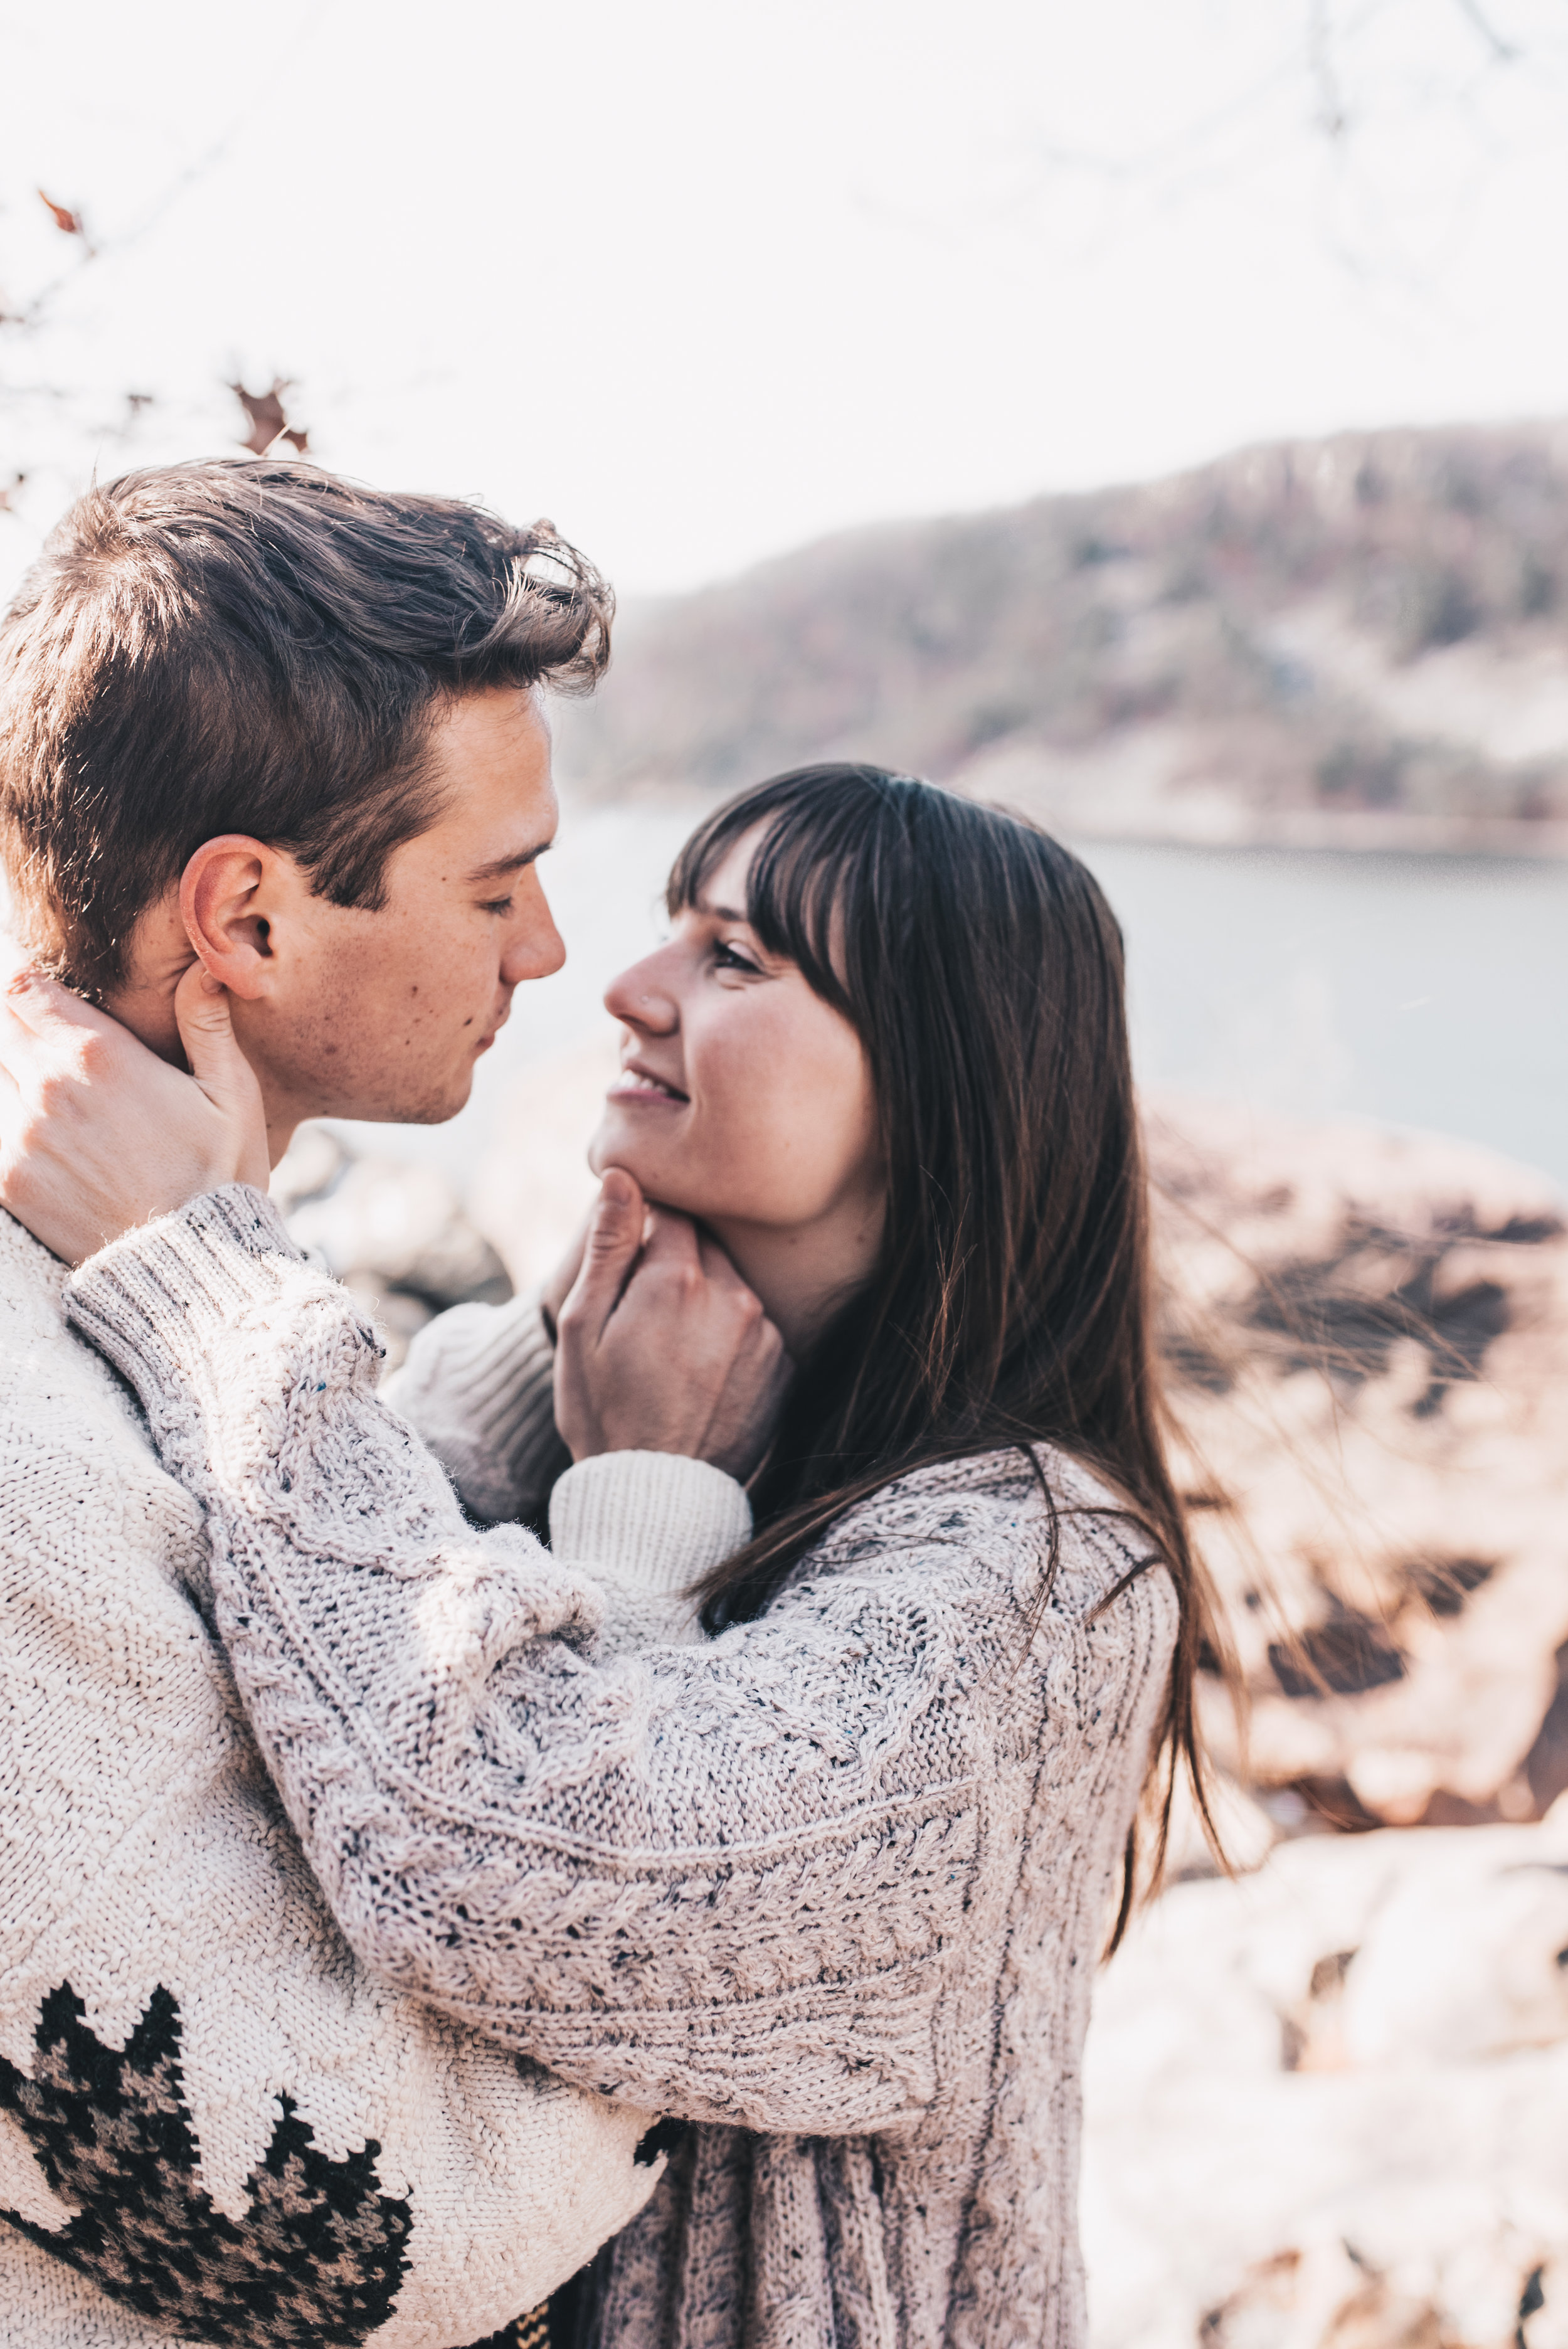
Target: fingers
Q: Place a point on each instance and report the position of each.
(18, 1046)
(207, 1031)
(12, 1035)
(203, 1014)
(664, 1347)
(29, 1061)
(670, 1244)
(718, 1268)
(615, 1240)
(561, 1281)
(47, 1009)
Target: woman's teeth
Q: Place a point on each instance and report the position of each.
(632, 1080)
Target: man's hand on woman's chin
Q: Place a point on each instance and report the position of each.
(661, 1346)
(97, 1134)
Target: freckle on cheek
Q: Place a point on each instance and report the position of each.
(469, 1022)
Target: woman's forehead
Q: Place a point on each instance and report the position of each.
(722, 890)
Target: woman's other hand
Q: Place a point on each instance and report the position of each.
(561, 1281)
(661, 1346)
(97, 1134)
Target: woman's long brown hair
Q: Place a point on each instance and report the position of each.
(982, 968)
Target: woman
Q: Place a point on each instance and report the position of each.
(830, 1881)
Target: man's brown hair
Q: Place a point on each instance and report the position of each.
(257, 647)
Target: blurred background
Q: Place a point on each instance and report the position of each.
(1153, 417)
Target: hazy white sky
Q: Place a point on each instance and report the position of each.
(705, 278)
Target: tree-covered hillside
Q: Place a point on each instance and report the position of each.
(1366, 636)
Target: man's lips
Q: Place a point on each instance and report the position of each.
(638, 1084)
(493, 1030)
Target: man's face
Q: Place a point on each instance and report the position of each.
(384, 1015)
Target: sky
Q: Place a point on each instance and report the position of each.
(705, 279)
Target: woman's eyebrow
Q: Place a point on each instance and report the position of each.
(718, 913)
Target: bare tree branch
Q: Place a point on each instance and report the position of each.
(1504, 52)
(1332, 118)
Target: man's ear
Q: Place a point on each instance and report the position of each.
(226, 895)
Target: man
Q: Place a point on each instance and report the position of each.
(250, 711)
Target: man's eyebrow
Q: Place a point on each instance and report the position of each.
(500, 866)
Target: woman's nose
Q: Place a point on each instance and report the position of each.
(641, 997)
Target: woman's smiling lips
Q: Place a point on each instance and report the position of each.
(636, 1083)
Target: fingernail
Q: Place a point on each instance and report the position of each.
(616, 1188)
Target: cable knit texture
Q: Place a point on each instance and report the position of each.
(479, 1385)
(830, 1885)
(215, 2124)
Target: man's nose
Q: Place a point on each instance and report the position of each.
(535, 946)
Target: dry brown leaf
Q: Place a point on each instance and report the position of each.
(267, 420)
(68, 221)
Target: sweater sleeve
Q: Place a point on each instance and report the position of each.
(478, 1386)
(723, 1877)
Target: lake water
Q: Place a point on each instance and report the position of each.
(1427, 991)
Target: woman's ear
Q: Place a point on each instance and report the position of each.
(223, 900)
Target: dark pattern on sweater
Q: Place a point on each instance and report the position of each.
(316, 2264)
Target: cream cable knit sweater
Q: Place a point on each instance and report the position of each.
(215, 2125)
(830, 1885)
(479, 1385)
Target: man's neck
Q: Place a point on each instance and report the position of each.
(146, 1006)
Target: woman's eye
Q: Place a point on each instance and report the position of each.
(729, 957)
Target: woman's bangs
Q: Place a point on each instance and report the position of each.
(798, 880)
(800, 874)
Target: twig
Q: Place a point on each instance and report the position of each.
(1504, 52)
(1332, 118)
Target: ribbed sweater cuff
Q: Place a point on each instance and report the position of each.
(652, 1521)
(169, 1290)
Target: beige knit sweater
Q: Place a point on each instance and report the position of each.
(216, 2125)
(830, 1885)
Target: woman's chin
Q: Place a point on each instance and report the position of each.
(617, 1142)
(663, 1176)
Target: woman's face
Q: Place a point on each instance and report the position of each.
(743, 1097)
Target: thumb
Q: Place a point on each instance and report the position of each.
(221, 1068)
(614, 1238)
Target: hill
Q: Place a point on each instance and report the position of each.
(1362, 639)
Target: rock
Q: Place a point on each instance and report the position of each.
(397, 1235)
(1366, 1337)
(1325, 2104)
(1247, 1831)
